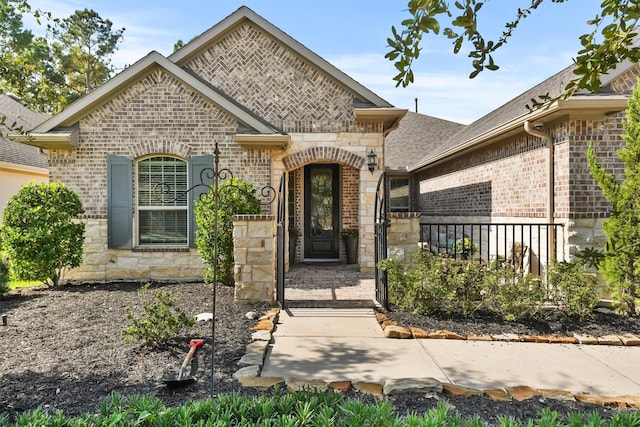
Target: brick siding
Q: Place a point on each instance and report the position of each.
(274, 82)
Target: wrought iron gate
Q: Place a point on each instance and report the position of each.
(280, 240)
(381, 224)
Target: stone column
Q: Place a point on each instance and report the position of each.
(254, 251)
(403, 236)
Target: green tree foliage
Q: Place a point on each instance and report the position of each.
(621, 264)
(49, 75)
(84, 43)
(26, 65)
(610, 41)
(236, 196)
(4, 275)
(39, 233)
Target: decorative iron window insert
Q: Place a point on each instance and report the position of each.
(163, 217)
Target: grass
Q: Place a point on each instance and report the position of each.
(306, 408)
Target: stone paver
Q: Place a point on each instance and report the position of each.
(340, 285)
(569, 367)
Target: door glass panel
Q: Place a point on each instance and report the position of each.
(321, 202)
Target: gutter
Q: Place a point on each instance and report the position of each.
(534, 131)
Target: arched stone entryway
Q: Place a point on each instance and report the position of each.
(346, 167)
(326, 154)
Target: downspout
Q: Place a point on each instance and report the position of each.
(534, 131)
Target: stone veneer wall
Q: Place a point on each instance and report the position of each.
(348, 149)
(254, 253)
(102, 263)
(403, 236)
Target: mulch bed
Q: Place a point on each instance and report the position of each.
(63, 349)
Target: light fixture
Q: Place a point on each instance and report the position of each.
(372, 161)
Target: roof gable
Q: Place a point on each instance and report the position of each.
(74, 112)
(245, 15)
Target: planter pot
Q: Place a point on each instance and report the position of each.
(351, 245)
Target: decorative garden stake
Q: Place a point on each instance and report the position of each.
(216, 174)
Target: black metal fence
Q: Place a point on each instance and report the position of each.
(527, 246)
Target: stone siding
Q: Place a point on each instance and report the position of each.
(254, 254)
(102, 263)
(403, 236)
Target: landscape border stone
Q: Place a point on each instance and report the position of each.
(626, 339)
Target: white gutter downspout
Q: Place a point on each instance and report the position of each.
(550, 180)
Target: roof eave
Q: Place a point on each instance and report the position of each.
(390, 116)
(58, 140)
(263, 141)
(20, 168)
(591, 107)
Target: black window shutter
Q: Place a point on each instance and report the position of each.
(200, 172)
(119, 202)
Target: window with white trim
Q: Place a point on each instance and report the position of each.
(162, 202)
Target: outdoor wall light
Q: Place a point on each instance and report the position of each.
(372, 161)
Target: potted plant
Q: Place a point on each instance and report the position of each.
(294, 233)
(350, 237)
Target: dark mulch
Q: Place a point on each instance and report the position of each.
(603, 322)
(63, 350)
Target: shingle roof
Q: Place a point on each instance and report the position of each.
(416, 135)
(512, 110)
(14, 152)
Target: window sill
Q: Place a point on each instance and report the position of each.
(161, 249)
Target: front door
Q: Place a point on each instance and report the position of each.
(321, 213)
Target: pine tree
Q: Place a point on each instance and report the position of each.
(621, 264)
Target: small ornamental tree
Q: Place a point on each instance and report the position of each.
(39, 234)
(236, 196)
(621, 264)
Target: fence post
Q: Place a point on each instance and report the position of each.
(403, 236)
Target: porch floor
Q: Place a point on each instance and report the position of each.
(333, 285)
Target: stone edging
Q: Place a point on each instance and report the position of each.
(392, 330)
(251, 365)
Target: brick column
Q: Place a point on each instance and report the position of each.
(254, 252)
(403, 236)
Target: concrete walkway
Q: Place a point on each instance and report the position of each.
(335, 344)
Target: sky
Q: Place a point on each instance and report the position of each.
(352, 35)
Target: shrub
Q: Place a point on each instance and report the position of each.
(435, 285)
(4, 276)
(39, 234)
(236, 196)
(513, 295)
(574, 291)
(160, 321)
(440, 285)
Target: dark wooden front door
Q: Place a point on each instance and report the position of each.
(321, 211)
